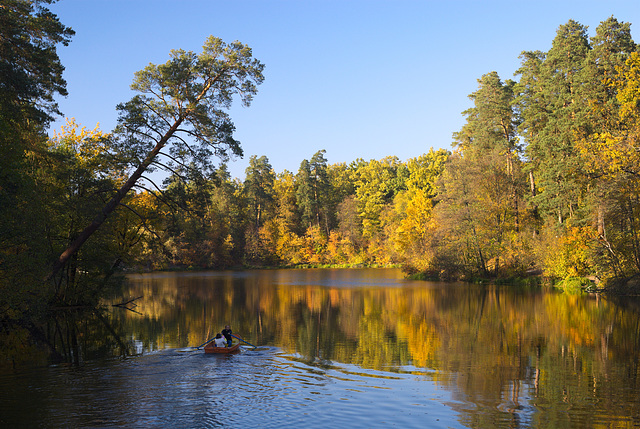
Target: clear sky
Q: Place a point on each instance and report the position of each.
(358, 78)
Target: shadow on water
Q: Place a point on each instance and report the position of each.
(66, 337)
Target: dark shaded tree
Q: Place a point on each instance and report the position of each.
(31, 76)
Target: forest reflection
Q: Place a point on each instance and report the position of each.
(486, 342)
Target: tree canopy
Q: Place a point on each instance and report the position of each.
(542, 178)
(181, 107)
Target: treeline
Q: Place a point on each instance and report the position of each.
(543, 175)
(373, 212)
(543, 178)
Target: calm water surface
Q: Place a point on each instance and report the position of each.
(336, 348)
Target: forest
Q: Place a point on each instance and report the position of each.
(541, 180)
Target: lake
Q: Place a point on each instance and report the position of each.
(335, 348)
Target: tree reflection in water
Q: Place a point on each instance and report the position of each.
(497, 348)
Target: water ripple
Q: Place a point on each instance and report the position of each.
(264, 388)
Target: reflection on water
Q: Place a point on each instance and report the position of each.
(256, 388)
(505, 353)
(353, 345)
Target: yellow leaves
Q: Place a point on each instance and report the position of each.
(602, 153)
(414, 227)
(144, 201)
(85, 143)
(288, 247)
(315, 244)
(425, 170)
(339, 250)
(616, 150)
(629, 87)
(418, 216)
(86, 148)
(570, 255)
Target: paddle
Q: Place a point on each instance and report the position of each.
(238, 338)
(205, 343)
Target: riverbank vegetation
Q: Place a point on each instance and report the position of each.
(542, 178)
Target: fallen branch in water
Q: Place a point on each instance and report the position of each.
(126, 306)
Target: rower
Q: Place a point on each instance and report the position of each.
(227, 334)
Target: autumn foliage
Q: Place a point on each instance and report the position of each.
(542, 178)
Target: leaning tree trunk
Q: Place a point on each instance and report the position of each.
(114, 202)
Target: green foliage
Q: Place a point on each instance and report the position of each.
(30, 79)
(543, 175)
(182, 104)
(258, 187)
(312, 192)
(30, 70)
(376, 184)
(181, 109)
(481, 194)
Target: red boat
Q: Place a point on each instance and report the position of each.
(210, 348)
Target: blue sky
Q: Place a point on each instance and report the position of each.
(360, 79)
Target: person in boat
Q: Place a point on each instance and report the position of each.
(227, 334)
(219, 341)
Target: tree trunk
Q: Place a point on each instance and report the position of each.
(113, 203)
(532, 185)
(514, 193)
(634, 233)
(601, 230)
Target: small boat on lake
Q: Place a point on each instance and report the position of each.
(210, 348)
